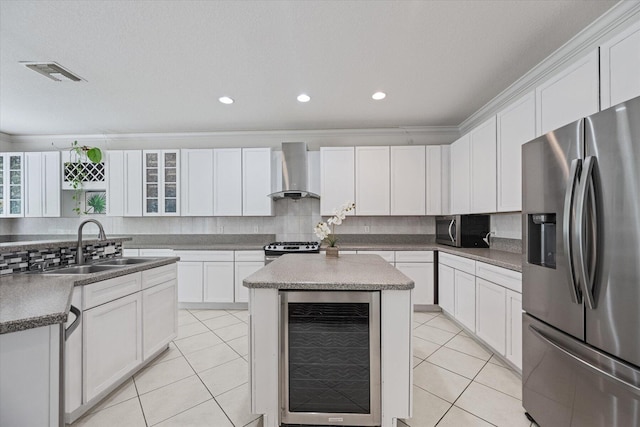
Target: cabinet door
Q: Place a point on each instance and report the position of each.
(114, 166)
(161, 190)
(11, 185)
(408, 182)
(491, 314)
(132, 183)
(620, 67)
(171, 188)
(569, 95)
(446, 288)
(112, 337)
(422, 274)
(434, 182)
(196, 182)
(337, 178)
(218, 282)
(152, 182)
(372, 180)
(190, 279)
(33, 182)
(514, 328)
(51, 179)
(465, 299)
(256, 182)
(459, 177)
(159, 317)
(227, 182)
(516, 126)
(483, 167)
(242, 270)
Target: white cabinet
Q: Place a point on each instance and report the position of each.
(190, 279)
(337, 178)
(205, 276)
(482, 141)
(446, 288)
(513, 351)
(257, 182)
(11, 185)
(124, 182)
(516, 126)
(460, 176)
(491, 314)
(161, 187)
(408, 181)
(112, 343)
(465, 299)
(246, 263)
(418, 266)
(218, 284)
(227, 182)
(569, 95)
(159, 316)
(372, 181)
(437, 179)
(620, 67)
(389, 256)
(196, 182)
(42, 177)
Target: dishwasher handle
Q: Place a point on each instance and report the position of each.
(72, 327)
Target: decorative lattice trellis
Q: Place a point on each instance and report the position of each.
(92, 175)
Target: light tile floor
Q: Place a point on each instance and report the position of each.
(202, 379)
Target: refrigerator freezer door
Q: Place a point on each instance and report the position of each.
(613, 138)
(547, 290)
(566, 383)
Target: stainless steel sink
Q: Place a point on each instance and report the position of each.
(83, 269)
(126, 261)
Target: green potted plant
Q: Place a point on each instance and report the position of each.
(80, 154)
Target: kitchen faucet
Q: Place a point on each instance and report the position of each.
(101, 236)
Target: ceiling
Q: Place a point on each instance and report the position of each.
(154, 66)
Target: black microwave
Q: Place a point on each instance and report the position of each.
(463, 231)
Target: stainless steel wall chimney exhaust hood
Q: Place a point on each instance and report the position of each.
(295, 175)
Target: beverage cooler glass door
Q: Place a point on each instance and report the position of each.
(330, 361)
(551, 166)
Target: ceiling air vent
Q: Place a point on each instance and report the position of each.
(54, 71)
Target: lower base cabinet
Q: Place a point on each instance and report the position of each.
(159, 317)
(422, 275)
(465, 299)
(513, 352)
(218, 282)
(491, 314)
(446, 288)
(242, 270)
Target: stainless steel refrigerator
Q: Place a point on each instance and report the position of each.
(581, 272)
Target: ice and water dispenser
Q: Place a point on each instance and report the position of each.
(542, 239)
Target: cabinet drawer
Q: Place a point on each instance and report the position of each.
(249, 255)
(158, 275)
(504, 277)
(111, 289)
(414, 256)
(459, 263)
(388, 256)
(205, 256)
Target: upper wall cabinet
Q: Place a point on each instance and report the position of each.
(516, 126)
(124, 182)
(437, 175)
(372, 181)
(227, 182)
(161, 189)
(42, 184)
(483, 167)
(11, 185)
(408, 180)
(91, 175)
(337, 178)
(620, 67)
(569, 95)
(196, 182)
(257, 178)
(460, 176)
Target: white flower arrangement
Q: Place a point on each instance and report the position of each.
(322, 229)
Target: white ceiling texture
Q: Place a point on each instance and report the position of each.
(160, 66)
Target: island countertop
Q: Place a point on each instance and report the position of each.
(318, 272)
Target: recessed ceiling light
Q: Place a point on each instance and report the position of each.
(225, 100)
(303, 97)
(379, 95)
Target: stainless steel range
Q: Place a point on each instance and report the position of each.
(273, 250)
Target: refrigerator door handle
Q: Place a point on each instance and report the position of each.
(568, 226)
(599, 371)
(587, 276)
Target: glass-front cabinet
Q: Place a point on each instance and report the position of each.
(11, 185)
(160, 181)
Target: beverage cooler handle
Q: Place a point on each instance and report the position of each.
(566, 230)
(450, 226)
(587, 276)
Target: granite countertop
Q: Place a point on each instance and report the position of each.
(30, 300)
(201, 247)
(317, 272)
(201, 242)
(24, 245)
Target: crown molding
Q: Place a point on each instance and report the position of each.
(610, 23)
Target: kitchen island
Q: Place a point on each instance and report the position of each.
(318, 276)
